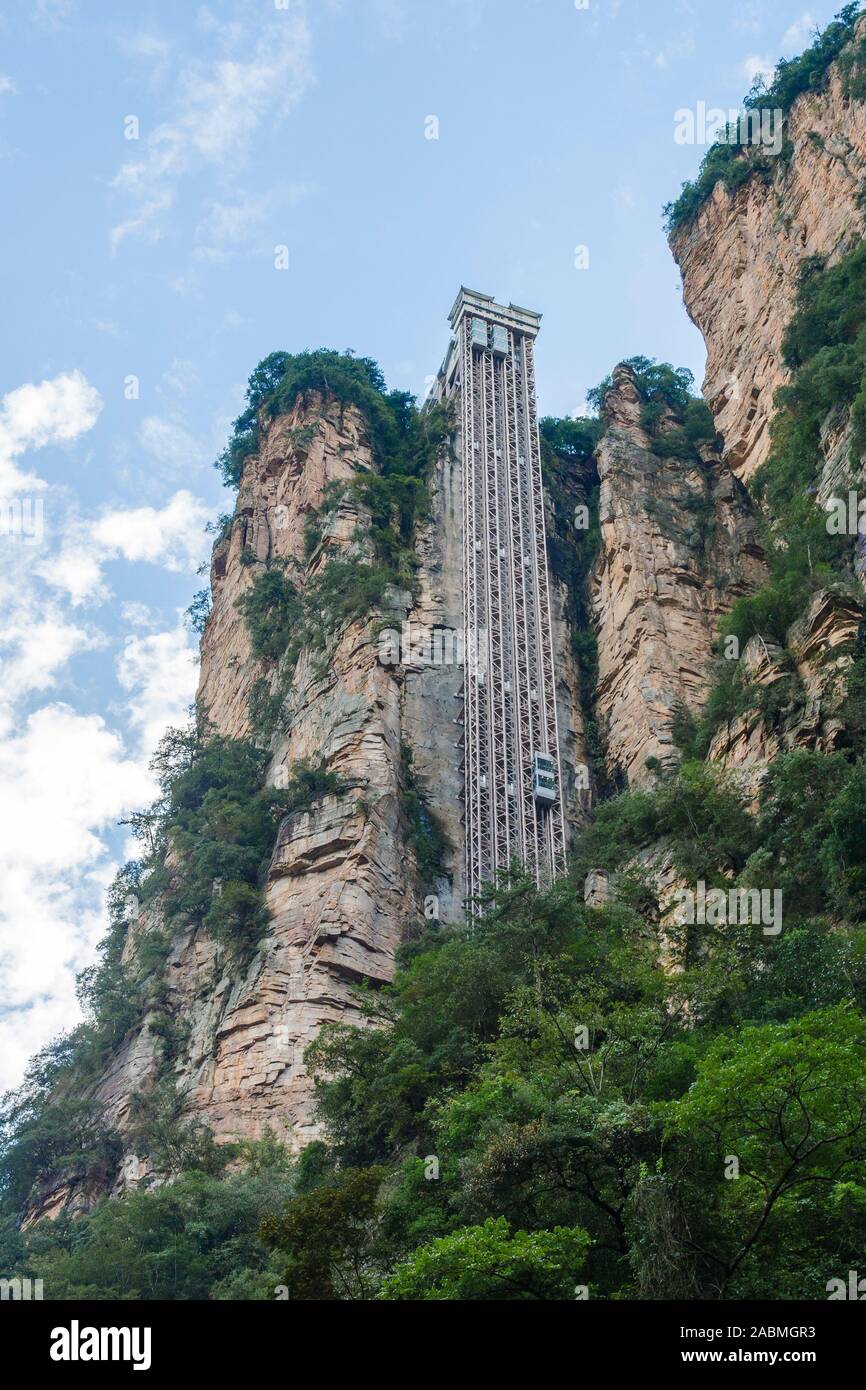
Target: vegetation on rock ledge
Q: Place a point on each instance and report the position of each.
(734, 164)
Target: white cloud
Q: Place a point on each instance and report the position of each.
(159, 672)
(63, 780)
(137, 615)
(233, 222)
(229, 227)
(7, 86)
(53, 12)
(145, 46)
(171, 536)
(755, 66)
(391, 15)
(170, 442)
(65, 777)
(676, 48)
(54, 412)
(37, 642)
(623, 197)
(799, 35)
(76, 568)
(181, 377)
(219, 106)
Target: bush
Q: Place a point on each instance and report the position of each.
(199, 611)
(273, 611)
(733, 164)
(489, 1263)
(426, 835)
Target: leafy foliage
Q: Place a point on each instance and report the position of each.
(489, 1263)
(195, 1238)
(199, 611)
(400, 436)
(327, 1238)
(571, 479)
(272, 609)
(477, 1149)
(677, 421)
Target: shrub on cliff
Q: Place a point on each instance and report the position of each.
(735, 164)
(398, 436)
(273, 609)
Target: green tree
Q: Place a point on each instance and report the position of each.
(490, 1263)
(788, 1103)
(328, 1238)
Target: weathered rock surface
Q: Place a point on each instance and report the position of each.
(740, 261)
(820, 644)
(342, 887)
(679, 543)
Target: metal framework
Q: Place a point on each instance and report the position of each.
(509, 689)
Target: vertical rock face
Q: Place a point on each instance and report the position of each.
(340, 891)
(574, 757)
(679, 543)
(819, 645)
(342, 888)
(317, 443)
(433, 676)
(740, 260)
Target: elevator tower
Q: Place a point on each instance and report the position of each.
(513, 810)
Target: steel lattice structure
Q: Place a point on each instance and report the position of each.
(510, 723)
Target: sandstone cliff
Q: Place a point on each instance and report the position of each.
(679, 543)
(343, 888)
(741, 256)
(741, 259)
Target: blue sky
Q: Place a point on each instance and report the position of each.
(140, 288)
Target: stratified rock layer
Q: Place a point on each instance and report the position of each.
(342, 888)
(679, 543)
(740, 260)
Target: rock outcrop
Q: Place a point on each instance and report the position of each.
(819, 647)
(342, 889)
(679, 543)
(741, 256)
(741, 259)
